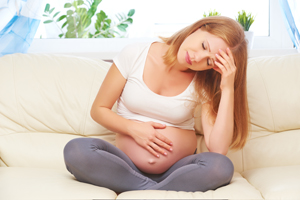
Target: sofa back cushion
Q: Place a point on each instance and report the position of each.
(273, 91)
(45, 101)
(274, 102)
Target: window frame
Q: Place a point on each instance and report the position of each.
(278, 36)
(107, 48)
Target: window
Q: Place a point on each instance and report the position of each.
(164, 17)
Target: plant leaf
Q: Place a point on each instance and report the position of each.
(71, 27)
(101, 16)
(47, 7)
(50, 11)
(122, 27)
(91, 12)
(48, 21)
(67, 5)
(70, 12)
(119, 17)
(80, 2)
(129, 20)
(56, 14)
(64, 24)
(108, 21)
(61, 18)
(245, 20)
(131, 12)
(70, 34)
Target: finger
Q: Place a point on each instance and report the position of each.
(224, 55)
(158, 125)
(223, 61)
(152, 151)
(163, 144)
(231, 57)
(157, 148)
(226, 60)
(163, 138)
(221, 67)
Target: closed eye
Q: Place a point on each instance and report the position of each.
(208, 58)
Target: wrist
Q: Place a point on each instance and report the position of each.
(228, 91)
(130, 128)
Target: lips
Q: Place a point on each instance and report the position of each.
(188, 59)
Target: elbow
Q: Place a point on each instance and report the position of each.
(92, 113)
(96, 114)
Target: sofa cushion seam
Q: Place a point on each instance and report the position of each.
(87, 104)
(3, 161)
(265, 87)
(17, 98)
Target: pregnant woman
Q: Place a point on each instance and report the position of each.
(158, 87)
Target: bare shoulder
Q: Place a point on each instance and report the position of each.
(158, 49)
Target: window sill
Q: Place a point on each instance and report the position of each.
(108, 48)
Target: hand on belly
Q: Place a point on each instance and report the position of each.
(184, 144)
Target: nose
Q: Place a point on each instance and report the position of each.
(200, 56)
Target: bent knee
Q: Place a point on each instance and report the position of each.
(71, 146)
(74, 150)
(223, 168)
(220, 166)
(79, 149)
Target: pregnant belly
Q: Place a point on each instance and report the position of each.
(184, 144)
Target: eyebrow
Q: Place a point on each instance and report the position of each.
(209, 52)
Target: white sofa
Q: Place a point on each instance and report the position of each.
(45, 101)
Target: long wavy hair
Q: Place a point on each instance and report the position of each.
(207, 84)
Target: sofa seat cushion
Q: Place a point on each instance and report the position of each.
(40, 183)
(239, 188)
(38, 149)
(276, 182)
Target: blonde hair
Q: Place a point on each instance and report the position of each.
(207, 82)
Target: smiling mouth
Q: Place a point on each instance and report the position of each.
(187, 58)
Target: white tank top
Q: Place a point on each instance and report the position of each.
(138, 102)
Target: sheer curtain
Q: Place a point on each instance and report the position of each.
(19, 22)
(290, 10)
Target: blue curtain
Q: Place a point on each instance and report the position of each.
(291, 14)
(19, 20)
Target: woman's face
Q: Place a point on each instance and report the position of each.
(198, 51)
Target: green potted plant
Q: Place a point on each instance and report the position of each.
(78, 20)
(212, 13)
(246, 20)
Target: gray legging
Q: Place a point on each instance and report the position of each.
(100, 163)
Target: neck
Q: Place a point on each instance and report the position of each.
(171, 68)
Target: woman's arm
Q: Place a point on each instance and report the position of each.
(143, 133)
(110, 90)
(218, 136)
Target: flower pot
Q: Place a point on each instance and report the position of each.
(249, 35)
